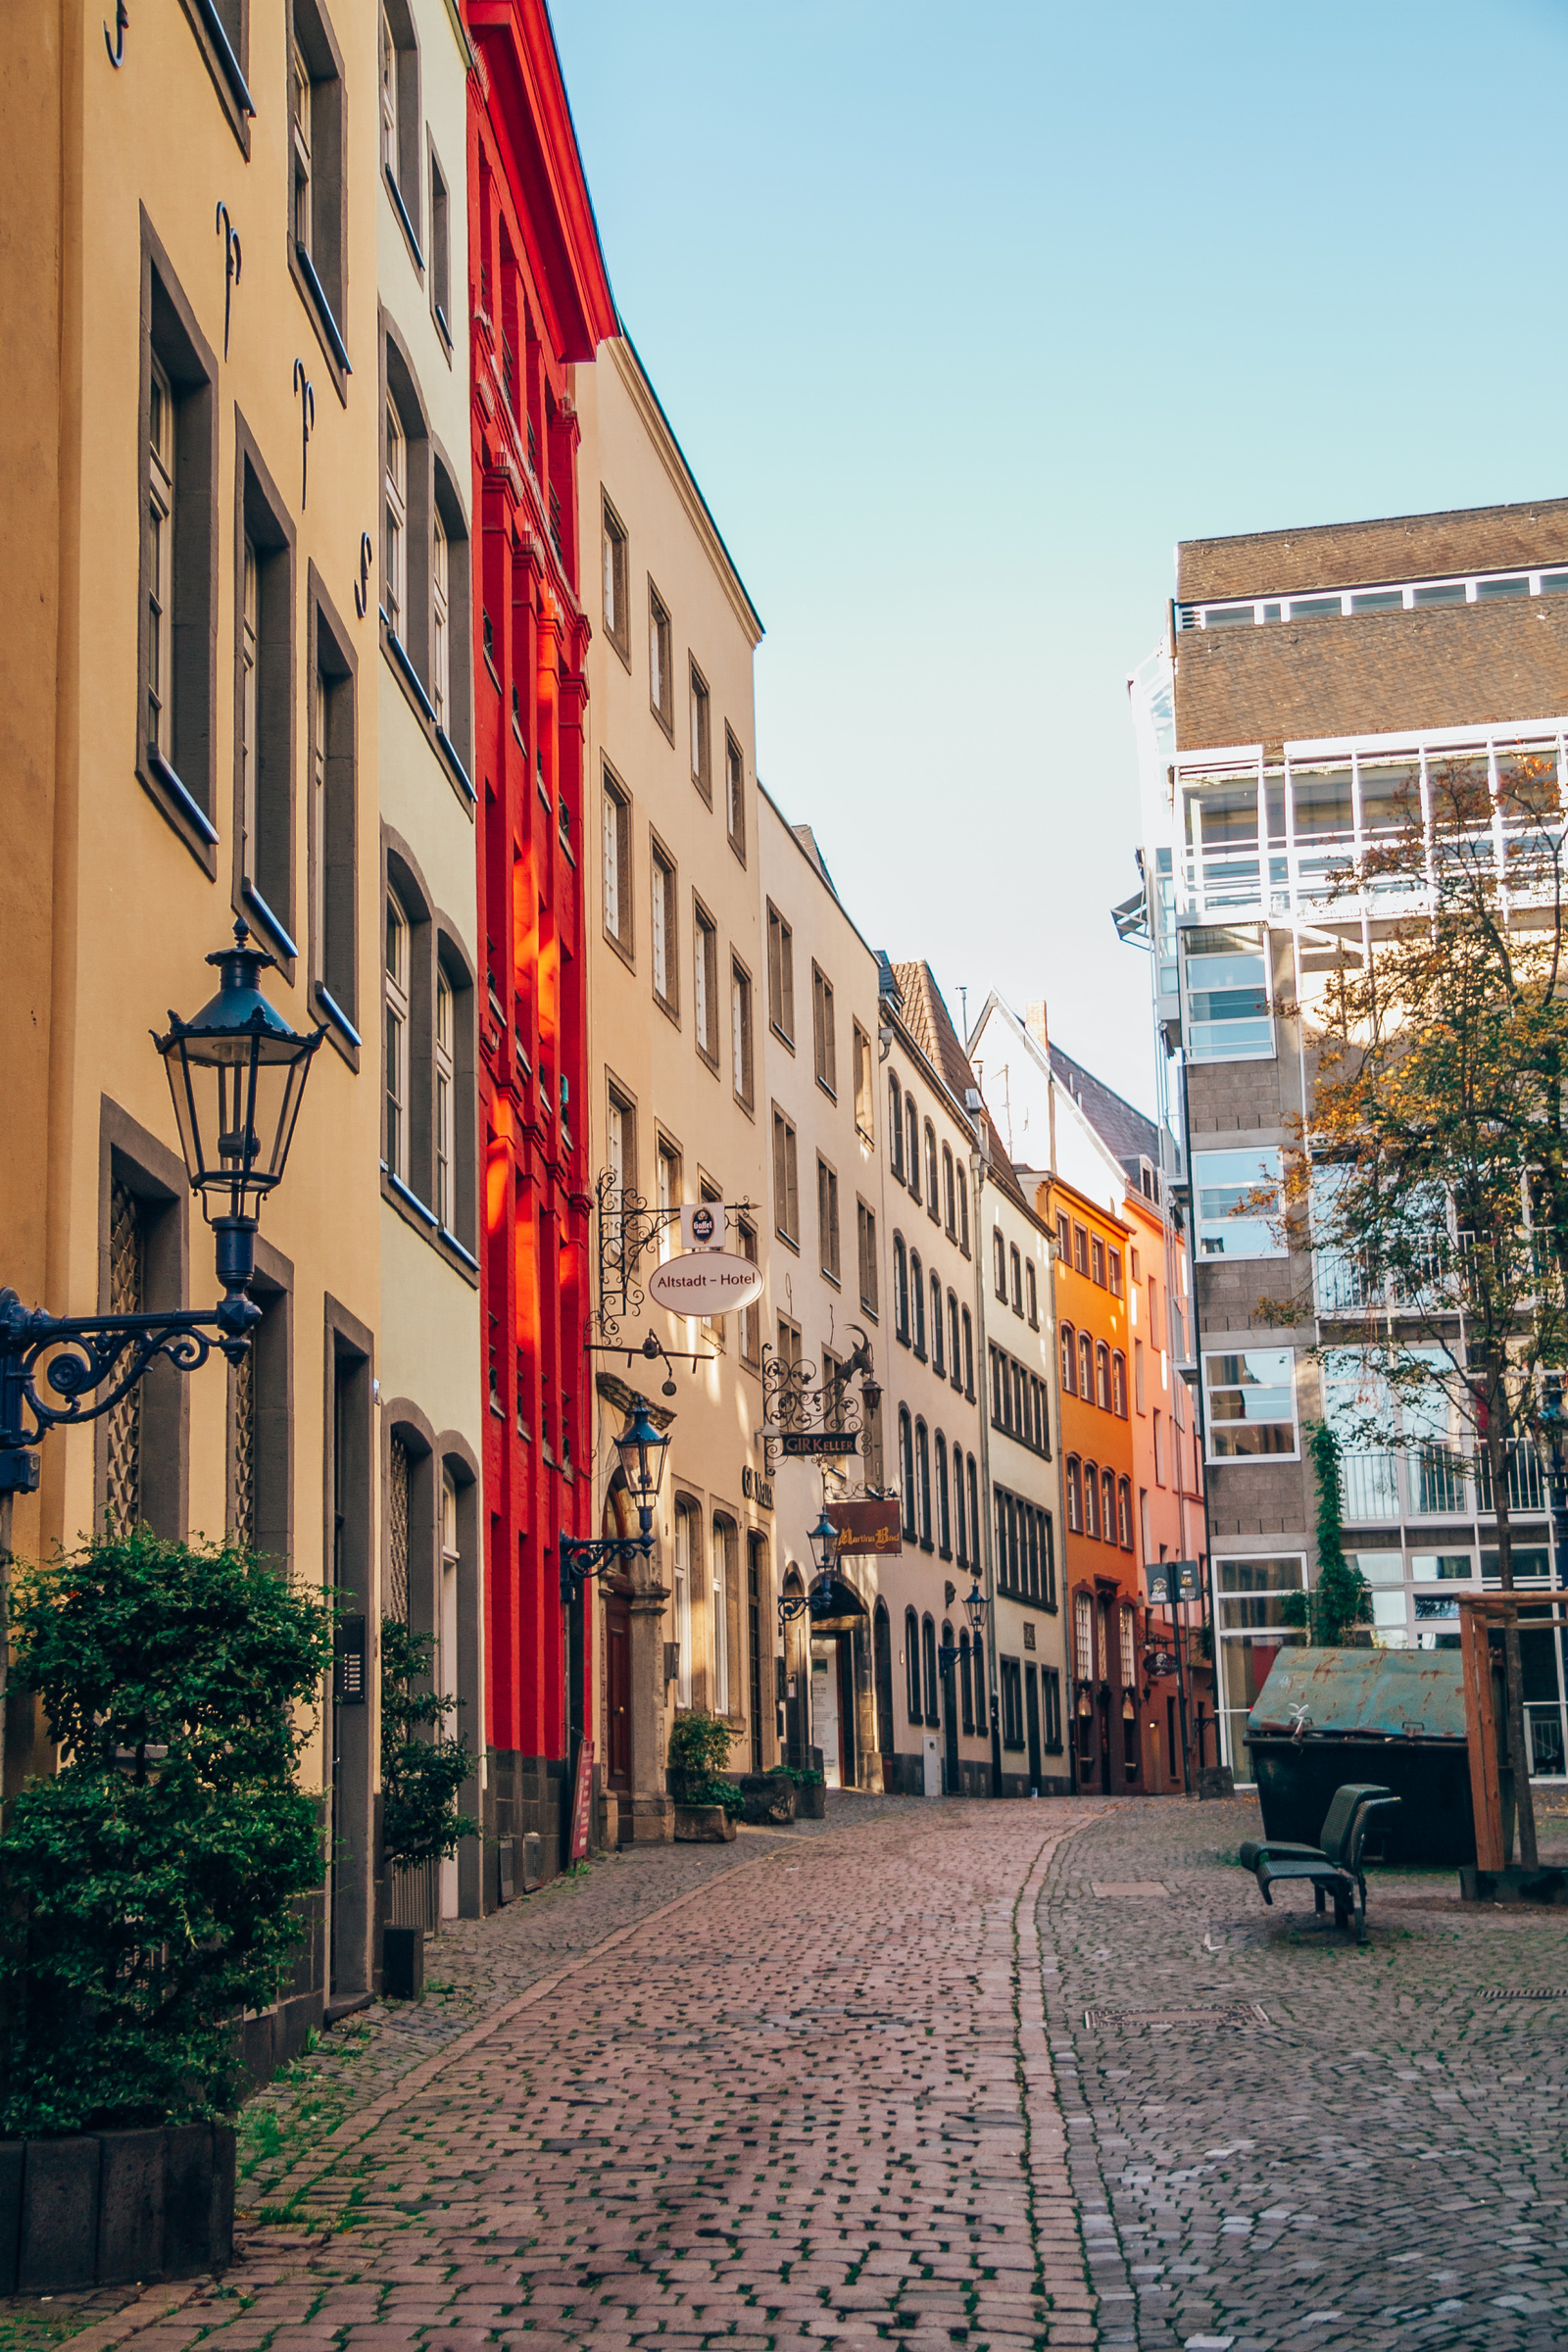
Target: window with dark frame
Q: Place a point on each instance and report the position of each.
(440, 251)
(264, 707)
(864, 1082)
(334, 827)
(704, 983)
(751, 1317)
(616, 616)
(866, 1242)
(700, 735)
(666, 934)
(780, 975)
(735, 795)
(615, 859)
(660, 683)
(786, 1180)
(175, 751)
(825, 1047)
(740, 1033)
(827, 1217)
(400, 113)
(318, 200)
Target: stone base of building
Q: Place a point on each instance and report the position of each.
(1018, 1784)
(645, 1820)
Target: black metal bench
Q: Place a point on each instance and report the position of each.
(1333, 1868)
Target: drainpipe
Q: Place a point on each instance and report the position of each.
(977, 1177)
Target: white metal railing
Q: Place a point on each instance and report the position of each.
(1435, 1482)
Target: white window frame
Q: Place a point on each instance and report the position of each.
(399, 945)
(1239, 1173)
(1222, 1355)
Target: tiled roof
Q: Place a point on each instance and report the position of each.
(1449, 665)
(1399, 547)
(930, 1024)
(1125, 1132)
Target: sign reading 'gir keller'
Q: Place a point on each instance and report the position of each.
(705, 1282)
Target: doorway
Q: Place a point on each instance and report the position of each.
(1031, 1716)
(826, 1710)
(755, 1550)
(1105, 1745)
(949, 1719)
(618, 1693)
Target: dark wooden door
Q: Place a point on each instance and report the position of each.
(754, 1638)
(1031, 1711)
(617, 1691)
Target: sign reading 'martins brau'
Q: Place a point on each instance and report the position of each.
(705, 1282)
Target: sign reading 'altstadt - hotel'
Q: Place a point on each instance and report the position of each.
(705, 1282)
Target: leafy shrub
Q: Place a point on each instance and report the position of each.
(153, 1879)
(420, 1776)
(798, 1775)
(699, 1749)
(1341, 1598)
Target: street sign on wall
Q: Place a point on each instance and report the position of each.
(814, 1444)
(705, 1282)
(870, 1525)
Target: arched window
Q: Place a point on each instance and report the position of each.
(1108, 1500)
(1091, 1499)
(1118, 1384)
(918, 1300)
(1069, 1357)
(1124, 1513)
(958, 1496)
(939, 1363)
(900, 1289)
(980, 1709)
(911, 1140)
(895, 1125)
(974, 1514)
(682, 1598)
(944, 1519)
(907, 1468)
(922, 1471)
(954, 1342)
(1083, 1640)
(1031, 1292)
(912, 1664)
(999, 1261)
(950, 1194)
(968, 1353)
(963, 1212)
(1102, 1376)
(965, 1688)
(398, 983)
(882, 1656)
(933, 1198)
(1085, 1367)
(1075, 1495)
(928, 1644)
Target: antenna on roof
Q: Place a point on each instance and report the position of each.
(963, 1004)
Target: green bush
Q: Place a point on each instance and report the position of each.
(1341, 1598)
(420, 1774)
(153, 1878)
(798, 1776)
(698, 1752)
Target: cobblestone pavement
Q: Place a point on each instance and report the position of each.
(1382, 2163)
(807, 2099)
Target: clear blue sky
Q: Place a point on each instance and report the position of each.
(966, 314)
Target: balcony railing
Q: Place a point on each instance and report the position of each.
(1436, 1481)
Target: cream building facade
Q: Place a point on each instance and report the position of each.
(429, 1423)
(678, 1114)
(191, 738)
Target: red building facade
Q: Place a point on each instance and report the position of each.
(539, 302)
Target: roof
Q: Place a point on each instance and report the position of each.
(1449, 665)
(807, 841)
(927, 1017)
(1399, 547)
(1125, 1132)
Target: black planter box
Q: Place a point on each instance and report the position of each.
(110, 2208)
(768, 1798)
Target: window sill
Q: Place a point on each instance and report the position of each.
(739, 847)
(670, 1011)
(622, 946)
(179, 808)
(227, 77)
(787, 1043)
(449, 751)
(424, 1223)
(255, 910)
(442, 330)
(339, 1028)
(423, 709)
(788, 1239)
(404, 223)
(313, 295)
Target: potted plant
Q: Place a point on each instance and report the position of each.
(706, 1805)
(152, 1885)
(421, 1772)
(811, 1791)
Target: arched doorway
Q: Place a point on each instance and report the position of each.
(836, 1613)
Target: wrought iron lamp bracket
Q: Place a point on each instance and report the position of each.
(584, 1558)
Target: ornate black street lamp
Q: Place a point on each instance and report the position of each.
(644, 1449)
(824, 1540)
(976, 1608)
(237, 1076)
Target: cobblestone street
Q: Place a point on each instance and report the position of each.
(837, 2083)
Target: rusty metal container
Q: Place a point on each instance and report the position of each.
(1396, 1716)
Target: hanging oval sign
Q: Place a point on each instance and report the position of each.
(705, 1282)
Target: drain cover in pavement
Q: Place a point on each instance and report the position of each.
(1232, 2013)
(1104, 1887)
(1522, 1993)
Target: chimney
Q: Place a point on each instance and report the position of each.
(1033, 1020)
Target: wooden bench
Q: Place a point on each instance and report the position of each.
(1333, 1868)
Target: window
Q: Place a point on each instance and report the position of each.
(176, 749)
(333, 824)
(667, 1177)
(1011, 1703)
(939, 1361)
(1085, 1367)
(780, 975)
(958, 1498)
(966, 1687)
(912, 1663)
(999, 1261)
(1124, 1513)
(440, 623)
(864, 1110)
(786, 1181)
(1115, 1273)
(400, 113)
(735, 794)
(1075, 1495)
(661, 684)
(1226, 1183)
(702, 736)
(911, 1139)
(1080, 1249)
(740, 1032)
(896, 1126)
(906, 1469)
(954, 1342)
(1083, 1650)
(969, 1355)
(928, 1645)
(394, 524)
(1107, 1506)
(440, 252)
(1091, 1500)
(621, 1141)
(789, 1343)
(665, 932)
(933, 1198)
(682, 1599)
(1097, 1261)
(704, 983)
(613, 550)
(1102, 1376)
(866, 1245)
(1118, 1384)
(1138, 1374)
(900, 1289)
(718, 1624)
(318, 196)
(981, 1709)
(1031, 1298)
(918, 1300)
(1159, 1450)
(1017, 1264)
(1063, 1240)
(950, 1194)
(1251, 1403)
(1070, 1361)
(160, 563)
(396, 1141)
(824, 1050)
(1051, 1692)
(827, 1217)
(943, 1515)
(974, 1507)
(963, 1212)
(445, 1105)
(751, 1317)
(615, 846)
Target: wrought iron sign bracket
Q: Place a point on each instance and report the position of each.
(583, 1557)
(626, 1228)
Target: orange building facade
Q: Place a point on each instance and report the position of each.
(1100, 1490)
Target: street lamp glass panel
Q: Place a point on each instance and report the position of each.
(236, 1074)
(643, 1450)
(975, 1605)
(823, 1539)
